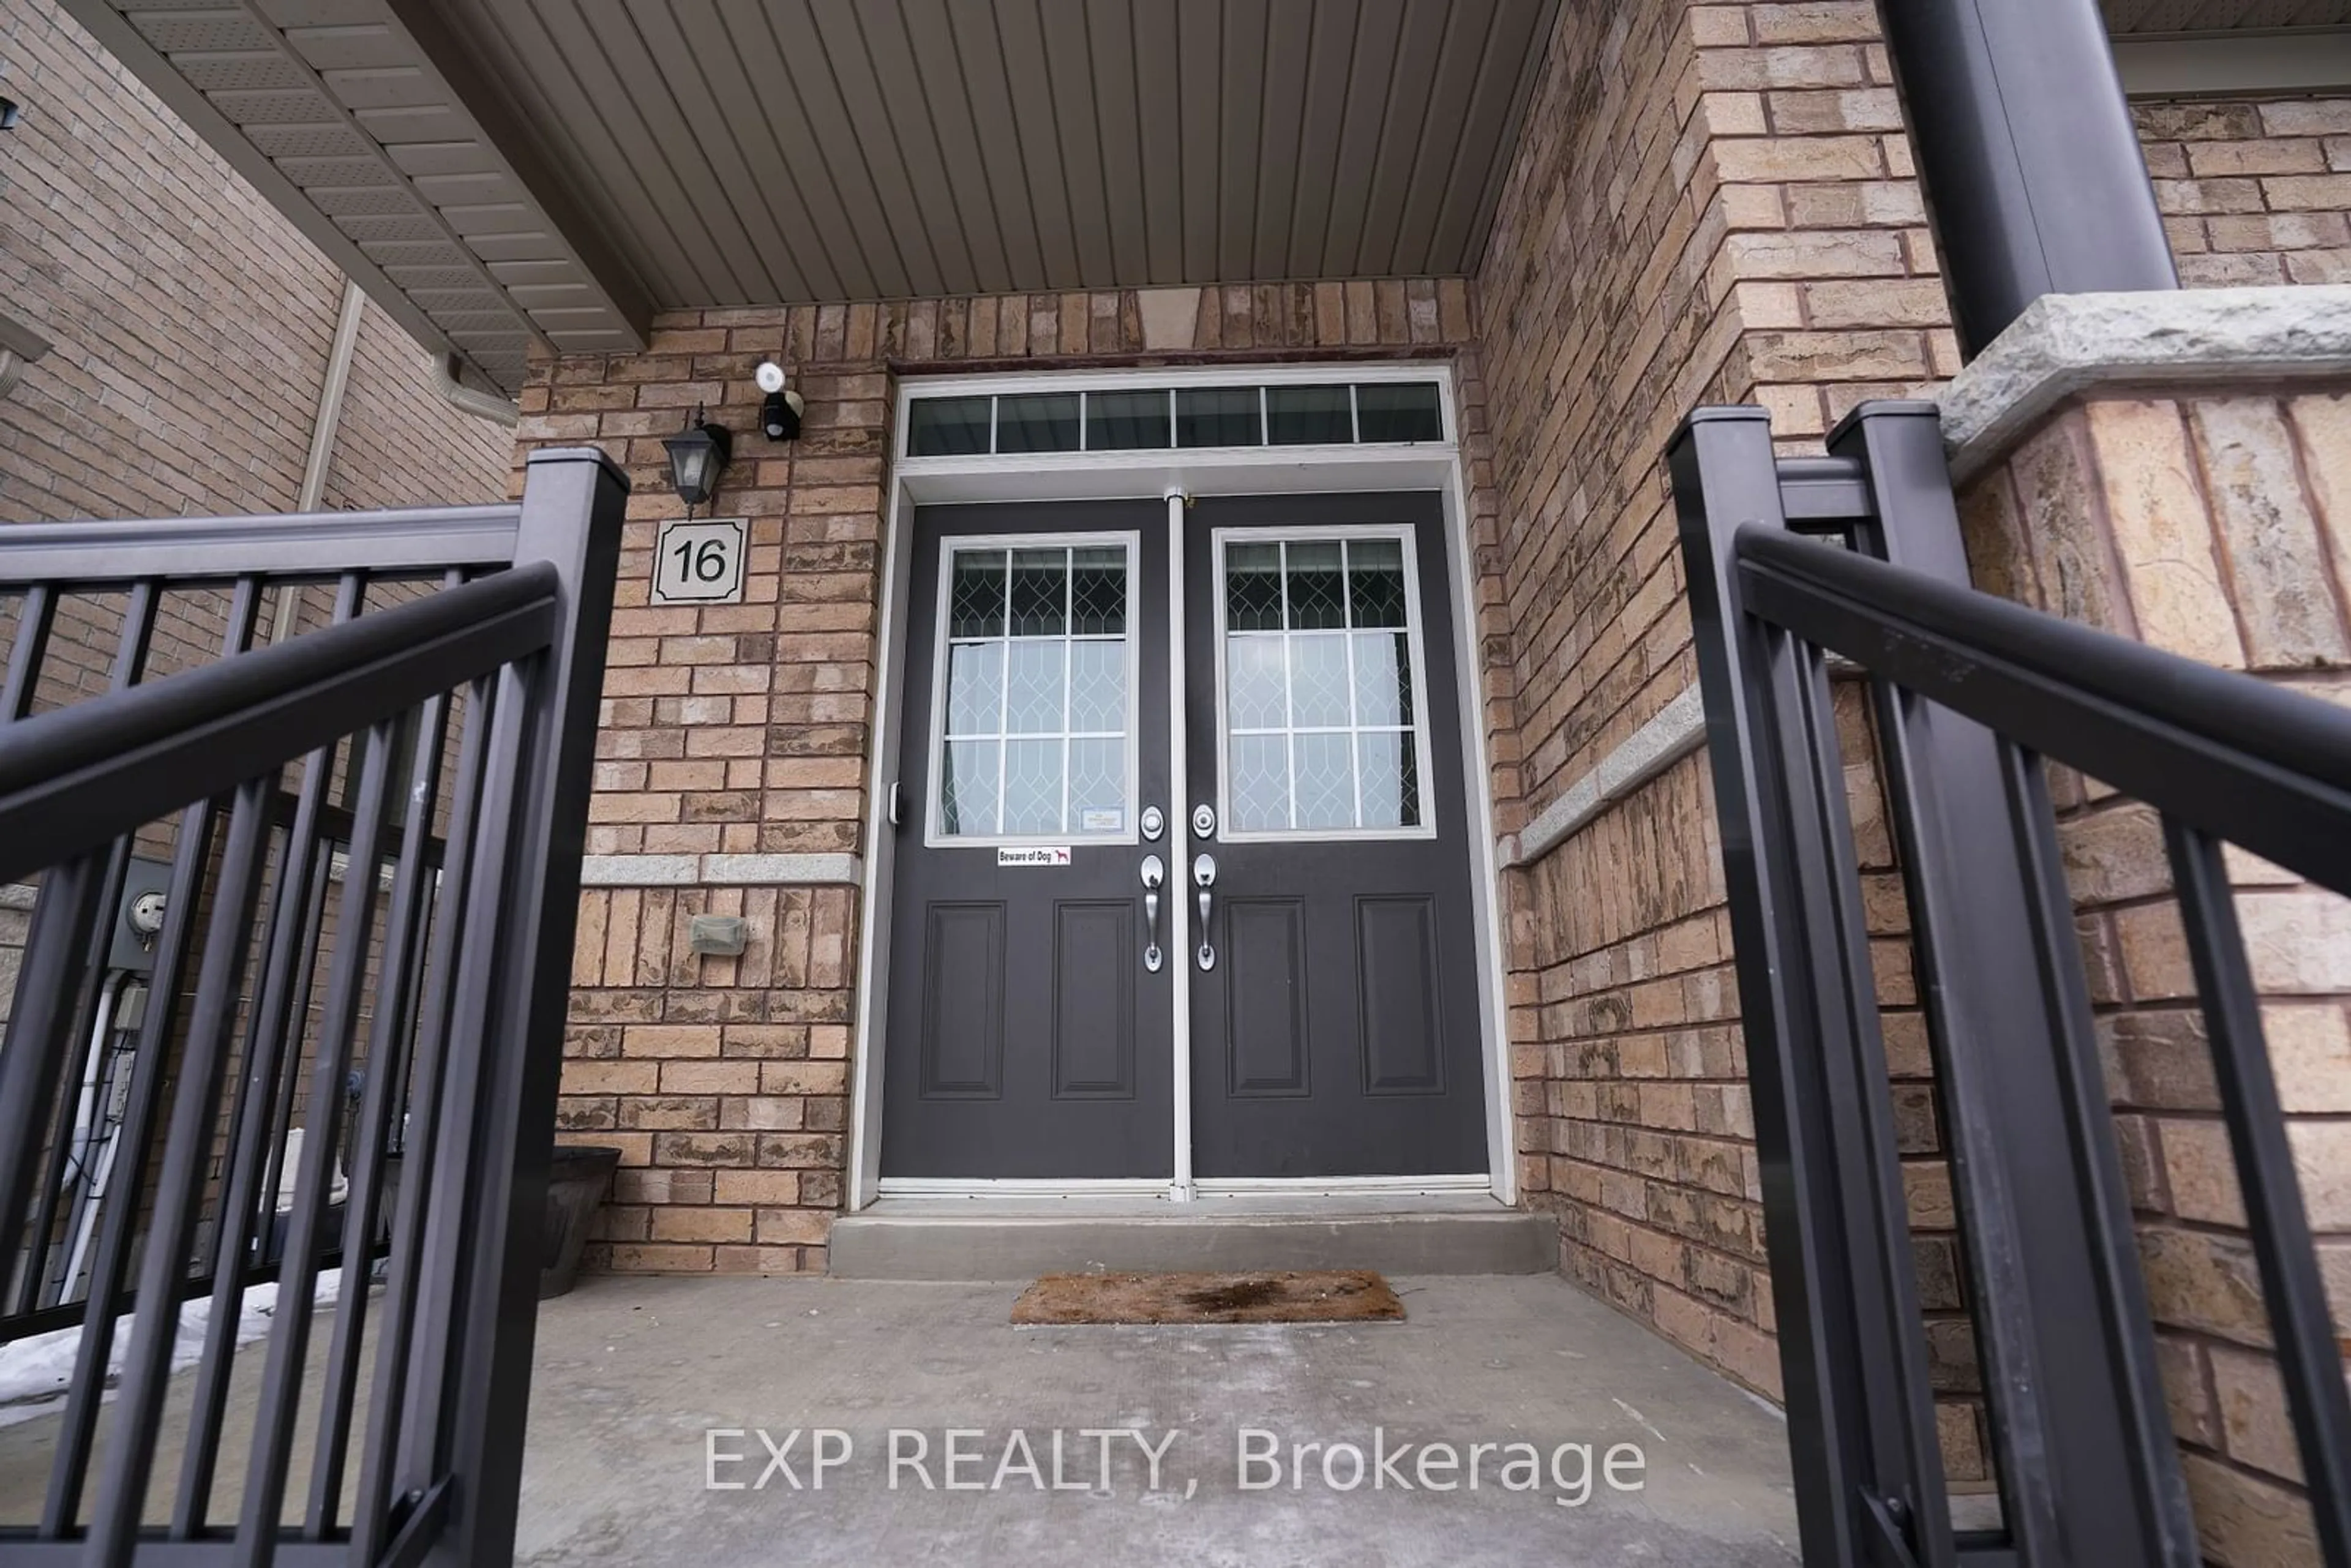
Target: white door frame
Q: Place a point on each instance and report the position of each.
(1171, 476)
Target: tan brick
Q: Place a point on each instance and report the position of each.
(2162, 534)
(2310, 1052)
(1780, 159)
(803, 1078)
(675, 1224)
(2276, 561)
(2203, 1281)
(2202, 1171)
(610, 1077)
(669, 1039)
(2241, 1518)
(765, 1188)
(709, 1078)
(660, 1259)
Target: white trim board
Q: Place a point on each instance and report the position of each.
(1169, 475)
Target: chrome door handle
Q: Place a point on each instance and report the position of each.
(1154, 875)
(1204, 875)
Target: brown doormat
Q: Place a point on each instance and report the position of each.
(1315, 1296)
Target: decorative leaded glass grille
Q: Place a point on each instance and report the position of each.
(1036, 705)
(1322, 728)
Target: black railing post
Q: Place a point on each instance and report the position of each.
(572, 508)
(2058, 1311)
(1861, 1431)
(2031, 163)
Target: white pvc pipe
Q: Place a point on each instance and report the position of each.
(91, 1169)
(324, 421)
(329, 412)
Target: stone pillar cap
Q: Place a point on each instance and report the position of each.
(2067, 344)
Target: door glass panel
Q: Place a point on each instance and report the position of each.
(1318, 681)
(1040, 592)
(1259, 793)
(1316, 601)
(1253, 588)
(1032, 786)
(1098, 688)
(1383, 678)
(975, 687)
(976, 601)
(1322, 727)
(1326, 783)
(968, 777)
(1375, 582)
(1098, 591)
(1036, 710)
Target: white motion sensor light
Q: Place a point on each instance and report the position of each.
(780, 414)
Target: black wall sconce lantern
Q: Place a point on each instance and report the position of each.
(779, 415)
(696, 454)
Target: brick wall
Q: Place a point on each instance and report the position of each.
(2254, 192)
(1712, 204)
(736, 739)
(191, 322)
(2214, 526)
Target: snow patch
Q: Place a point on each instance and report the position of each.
(35, 1372)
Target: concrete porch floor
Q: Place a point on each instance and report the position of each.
(631, 1373)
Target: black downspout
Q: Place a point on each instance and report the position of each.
(2034, 179)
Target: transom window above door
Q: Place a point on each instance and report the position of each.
(1035, 682)
(1165, 418)
(1320, 661)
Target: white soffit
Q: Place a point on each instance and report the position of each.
(336, 114)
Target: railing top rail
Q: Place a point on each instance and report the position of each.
(73, 778)
(211, 550)
(2250, 762)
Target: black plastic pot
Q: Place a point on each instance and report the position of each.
(577, 1178)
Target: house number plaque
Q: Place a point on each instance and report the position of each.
(700, 561)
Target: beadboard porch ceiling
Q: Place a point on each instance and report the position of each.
(500, 173)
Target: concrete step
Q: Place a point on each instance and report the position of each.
(984, 1239)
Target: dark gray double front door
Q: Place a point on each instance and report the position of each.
(1042, 848)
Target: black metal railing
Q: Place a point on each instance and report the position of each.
(373, 830)
(1973, 694)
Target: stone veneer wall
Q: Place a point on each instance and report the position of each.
(1713, 204)
(731, 766)
(2254, 192)
(2218, 525)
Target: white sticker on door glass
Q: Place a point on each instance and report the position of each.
(1322, 728)
(1035, 707)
